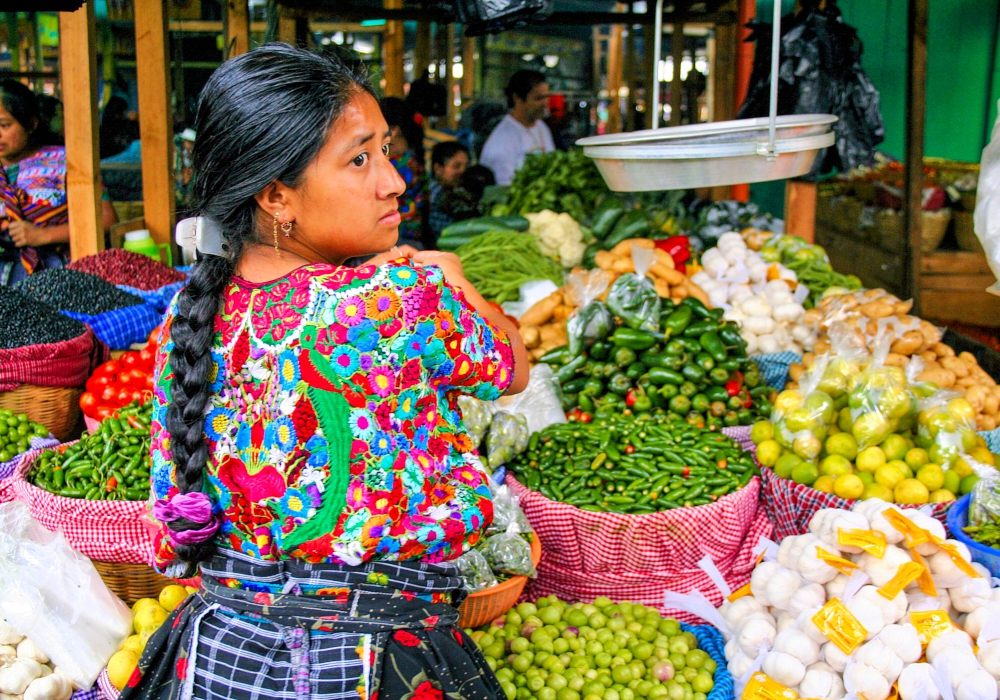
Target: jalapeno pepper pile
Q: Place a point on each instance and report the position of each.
(695, 369)
(110, 465)
(633, 464)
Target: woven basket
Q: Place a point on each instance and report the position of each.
(484, 606)
(130, 582)
(55, 407)
(933, 228)
(965, 232)
(889, 229)
(848, 215)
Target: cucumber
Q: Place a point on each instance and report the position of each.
(484, 224)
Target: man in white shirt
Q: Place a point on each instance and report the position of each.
(522, 131)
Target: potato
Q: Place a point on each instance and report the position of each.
(996, 390)
(697, 292)
(955, 365)
(795, 370)
(976, 395)
(624, 249)
(877, 309)
(623, 265)
(822, 346)
(531, 337)
(903, 307)
(986, 422)
(663, 257)
(876, 293)
(669, 275)
(662, 288)
(605, 260)
(931, 332)
(536, 353)
(942, 350)
(928, 357)
(553, 332)
(965, 382)
(680, 291)
(896, 360)
(944, 378)
(541, 312)
(969, 359)
(808, 358)
(991, 402)
(674, 298)
(812, 317)
(908, 344)
(561, 313)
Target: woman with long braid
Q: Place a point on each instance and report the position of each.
(308, 456)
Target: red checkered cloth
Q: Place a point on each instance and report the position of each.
(108, 531)
(790, 506)
(638, 557)
(68, 363)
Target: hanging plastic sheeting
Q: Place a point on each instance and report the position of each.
(820, 73)
(987, 216)
(494, 16)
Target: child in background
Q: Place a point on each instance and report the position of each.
(449, 161)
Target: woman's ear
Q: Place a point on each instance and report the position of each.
(276, 198)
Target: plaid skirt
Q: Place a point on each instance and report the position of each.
(375, 632)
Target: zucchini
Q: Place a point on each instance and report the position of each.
(484, 224)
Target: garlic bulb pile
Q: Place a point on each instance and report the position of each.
(775, 630)
(755, 294)
(25, 672)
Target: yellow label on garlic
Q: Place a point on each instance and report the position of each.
(930, 624)
(953, 554)
(844, 566)
(924, 581)
(741, 592)
(840, 626)
(763, 687)
(871, 541)
(905, 575)
(914, 534)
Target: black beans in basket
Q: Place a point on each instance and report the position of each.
(24, 321)
(69, 290)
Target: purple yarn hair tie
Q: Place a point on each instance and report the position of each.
(195, 507)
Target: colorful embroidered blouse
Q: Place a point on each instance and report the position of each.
(333, 429)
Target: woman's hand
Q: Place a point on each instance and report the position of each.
(450, 264)
(395, 253)
(26, 235)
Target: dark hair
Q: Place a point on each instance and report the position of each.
(262, 117)
(22, 104)
(445, 151)
(115, 109)
(476, 179)
(398, 113)
(521, 83)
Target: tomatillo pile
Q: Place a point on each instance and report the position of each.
(551, 650)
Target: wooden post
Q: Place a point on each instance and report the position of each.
(650, 73)
(422, 52)
(392, 52)
(155, 118)
(722, 84)
(800, 209)
(450, 82)
(629, 78)
(614, 79)
(236, 27)
(916, 98)
(677, 85)
(468, 68)
(78, 79)
(286, 27)
(440, 51)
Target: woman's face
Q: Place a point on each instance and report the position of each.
(13, 138)
(346, 205)
(450, 174)
(398, 145)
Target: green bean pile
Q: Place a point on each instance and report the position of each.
(499, 262)
(110, 465)
(633, 464)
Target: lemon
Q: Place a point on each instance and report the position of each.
(911, 491)
(820, 403)
(768, 452)
(843, 445)
(787, 401)
(807, 446)
(149, 618)
(952, 482)
(870, 459)
(833, 429)
(867, 478)
(942, 496)
(172, 596)
(824, 484)
(788, 461)
(894, 447)
(134, 643)
(931, 476)
(802, 418)
(834, 466)
(901, 466)
(142, 603)
(968, 483)
(983, 455)
(962, 409)
(121, 666)
(877, 491)
(889, 476)
(962, 468)
(849, 486)
(871, 428)
(762, 430)
(916, 458)
(805, 473)
(844, 420)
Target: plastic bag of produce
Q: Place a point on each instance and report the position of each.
(987, 216)
(508, 438)
(54, 595)
(591, 321)
(476, 416)
(984, 506)
(476, 571)
(509, 552)
(633, 298)
(801, 417)
(506, 510)
(539, 402)
(946, 427)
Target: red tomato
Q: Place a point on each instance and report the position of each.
(147, 358)
(137, 395)
(133, 378)
(124, 395)
(150, 383)
(130, 359)
(97, 383)
(104, 412)
(110, 368)
(88, 404)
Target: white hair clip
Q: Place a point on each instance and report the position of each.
(203, 235)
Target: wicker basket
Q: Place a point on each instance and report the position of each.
(848, 215)
(55, 407)
(485, 606)
(965, 232)
(130, 582)
(933, 228)
(889, 229)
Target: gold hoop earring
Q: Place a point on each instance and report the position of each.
(277, 250)
(287, 229)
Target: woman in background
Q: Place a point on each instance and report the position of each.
(406, 151)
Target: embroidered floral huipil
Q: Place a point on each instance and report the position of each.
(333, 430)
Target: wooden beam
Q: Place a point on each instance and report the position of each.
(629, 75)
(155, 118)
(649, 70)
(286, 29)
(450, 82)
(916, 99)
(78, 60)
(392, 52)
(677, 85)
(236, 21)
(468, 68)
(800, 209)
(614, 79)
(422, 52)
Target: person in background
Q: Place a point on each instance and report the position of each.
(34, 218)
(522, 131)
(449, 161)
(406, 150)
(51, 113)
(117, 131)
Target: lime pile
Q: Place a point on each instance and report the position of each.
(551, 650)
